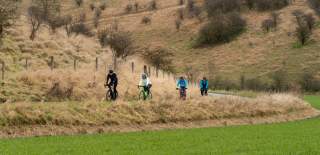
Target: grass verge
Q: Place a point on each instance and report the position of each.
(301, 137)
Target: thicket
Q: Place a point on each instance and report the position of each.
(8, 14)
(315, 5)
(220, 29)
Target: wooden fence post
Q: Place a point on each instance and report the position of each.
(51, 62)
(26, 65)
(149, 71)
(145, 70)
(2, 70)
(157, 72)
(97, 64)
(75, 64)
(132, 67)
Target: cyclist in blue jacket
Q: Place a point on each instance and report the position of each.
(182, 86)
(204, 86)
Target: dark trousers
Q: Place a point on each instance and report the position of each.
(114, 87)
(204, 92)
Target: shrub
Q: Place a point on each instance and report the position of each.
(315, 5)
(265, 5)
(181, 2)
(153, 5)
(92, 6)
(303, 34)
(81, 28)
(250, 4)
(310, 21)
(272, 23)
(57, 22)
(79, 2)
(214, 7)
(103, 6)
(97, 15)
(178, 24)
(221, 29)
(279, 79)
(222, 83)
(8, 14)
(267, 25)
(158, 56)
(136, 6)
(309, 83)
(146, 20)
(190, 5)
(129, 8)
(180, 14)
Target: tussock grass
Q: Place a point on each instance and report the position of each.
(165, 110)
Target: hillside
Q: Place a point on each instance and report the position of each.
(254, 53)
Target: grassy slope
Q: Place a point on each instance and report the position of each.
(300, 137)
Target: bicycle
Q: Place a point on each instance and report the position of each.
(182, 93)
(143, 94)
(111, 95)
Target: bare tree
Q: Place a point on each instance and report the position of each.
(120, 43)
(36, 19)
(8, 12)
(49, 8)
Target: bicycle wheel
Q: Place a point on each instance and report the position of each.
(108, 95)
(150, 95)
(142, 95)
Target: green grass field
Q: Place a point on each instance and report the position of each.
(294, 138)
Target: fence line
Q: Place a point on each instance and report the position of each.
(149, 70)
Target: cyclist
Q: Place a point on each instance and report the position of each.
(145, 82)
(112, 80)
(182, 85)
(204, 86)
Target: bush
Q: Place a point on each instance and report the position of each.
(180, 14)
(315, 5)
(304, 28)
(146, 20)
(159, 57)
(267, 25)
(266, 5)
(153, 5)
(250, 4)
(222, 83)
(279, 79)
(129, 8)
(181, 2)
(81, 28)
(57, 22)
(97, 15)
(103, 6)
(310, 21)
(309, 83)
(79, 2)
(178, 24)
(136, 6)
(221, 29)
(92, 6)
(272, 23)
(8, 14)
(214, 7)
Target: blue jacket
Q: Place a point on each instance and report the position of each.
(204, 84)
(182, 83)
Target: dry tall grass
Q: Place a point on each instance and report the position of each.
(274, 108)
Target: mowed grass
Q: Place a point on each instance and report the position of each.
(294, 138)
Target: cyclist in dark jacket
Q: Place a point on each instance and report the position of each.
(112, 80)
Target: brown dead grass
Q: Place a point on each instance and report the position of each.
(19, 119)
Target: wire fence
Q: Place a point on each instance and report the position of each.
(151, 71)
